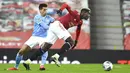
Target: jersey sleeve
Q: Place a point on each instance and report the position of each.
(44, 26)
(51, 11)
(66, 6)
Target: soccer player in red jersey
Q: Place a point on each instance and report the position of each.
(58, 29)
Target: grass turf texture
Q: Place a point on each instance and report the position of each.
(69, 68)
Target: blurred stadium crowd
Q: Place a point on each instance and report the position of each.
(17, 15)
(126, 23)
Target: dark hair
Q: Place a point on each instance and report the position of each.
(42, 5)
(86, 10)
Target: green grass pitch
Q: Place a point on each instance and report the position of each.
(68, 68)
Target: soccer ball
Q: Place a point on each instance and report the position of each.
(107, 65)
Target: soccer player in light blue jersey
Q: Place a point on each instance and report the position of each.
(41, 25)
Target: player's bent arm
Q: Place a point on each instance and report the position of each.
(68, 8)
(44, 25)
(39, 21)
(52, 19)
(47, 26)
(51, 11)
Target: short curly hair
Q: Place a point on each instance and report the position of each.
(86, 10)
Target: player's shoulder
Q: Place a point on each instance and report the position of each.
(48, 16)
(37, 16)
(75, 11)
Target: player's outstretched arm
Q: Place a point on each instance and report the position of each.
(77, 35)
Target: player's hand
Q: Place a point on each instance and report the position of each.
(75, 43)
(59, 12)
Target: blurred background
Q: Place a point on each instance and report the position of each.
(105, 36)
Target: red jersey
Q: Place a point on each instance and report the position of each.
(71, 19)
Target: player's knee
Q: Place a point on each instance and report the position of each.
(24, 50)
(21, 52)
(70, 44)
(70, 41)
(46, 46)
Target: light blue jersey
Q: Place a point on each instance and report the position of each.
(41, 25)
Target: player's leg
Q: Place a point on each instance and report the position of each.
(25, 48)
(45, 45)
(43, 60)
(39, 52)
(35, 55)
(67, 46)
(62, 33)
